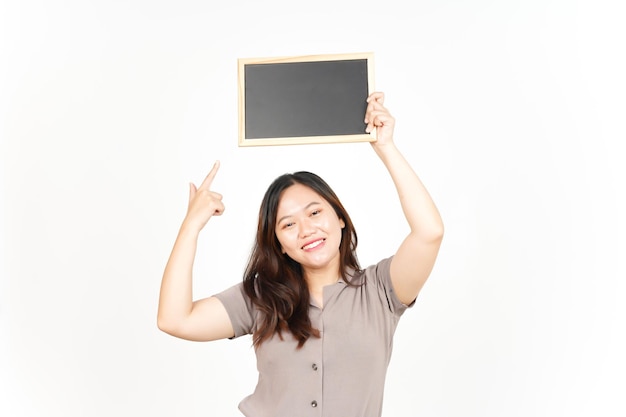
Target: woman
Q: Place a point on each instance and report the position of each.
(322, 326)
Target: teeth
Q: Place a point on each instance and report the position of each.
(314, 244)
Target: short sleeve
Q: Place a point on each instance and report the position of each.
(239, 308)
(381, 273)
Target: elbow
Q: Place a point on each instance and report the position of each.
(429, 230)
(439, 233)
(166, 325)
(434, 234)
(162, 324)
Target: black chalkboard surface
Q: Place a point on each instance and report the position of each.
(305, 99)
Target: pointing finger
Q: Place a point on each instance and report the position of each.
(209, 178)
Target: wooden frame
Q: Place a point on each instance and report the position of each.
(304, 99)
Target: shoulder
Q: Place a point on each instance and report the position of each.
(376, 279)
(239, 307)
(380, 271)
(233, 293)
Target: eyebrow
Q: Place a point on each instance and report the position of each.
(312, 203)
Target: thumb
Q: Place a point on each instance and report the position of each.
(192, 191)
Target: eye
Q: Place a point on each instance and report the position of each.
(287, 225)
(316, 212)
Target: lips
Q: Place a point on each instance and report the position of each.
(314, 244)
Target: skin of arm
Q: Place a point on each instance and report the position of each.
(178, 315)
(415, 258)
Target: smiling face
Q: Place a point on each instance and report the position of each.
(308, 229)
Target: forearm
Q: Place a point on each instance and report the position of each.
(417, 205)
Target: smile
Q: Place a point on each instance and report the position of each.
(313, 244)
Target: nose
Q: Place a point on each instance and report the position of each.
(307, 228)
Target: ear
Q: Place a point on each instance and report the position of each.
(342, 223)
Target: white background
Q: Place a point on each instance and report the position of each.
(512, 112)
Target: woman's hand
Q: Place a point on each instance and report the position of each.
(203, 203)
(378, 117)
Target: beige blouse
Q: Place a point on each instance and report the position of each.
(341, 374)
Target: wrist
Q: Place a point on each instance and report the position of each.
(190, 228)
(385, 150)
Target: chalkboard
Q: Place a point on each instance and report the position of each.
(304, 99)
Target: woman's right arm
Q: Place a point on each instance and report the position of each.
(205, 319)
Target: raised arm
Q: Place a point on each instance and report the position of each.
(415, 258)
(178, 314)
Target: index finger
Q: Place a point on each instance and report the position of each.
(377, 96)
(209, 178)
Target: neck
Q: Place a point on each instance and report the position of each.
(317, 280)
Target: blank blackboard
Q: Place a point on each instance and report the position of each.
(306, 99)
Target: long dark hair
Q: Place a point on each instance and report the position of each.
(273, 281)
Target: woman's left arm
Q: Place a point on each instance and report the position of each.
(415, 258)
